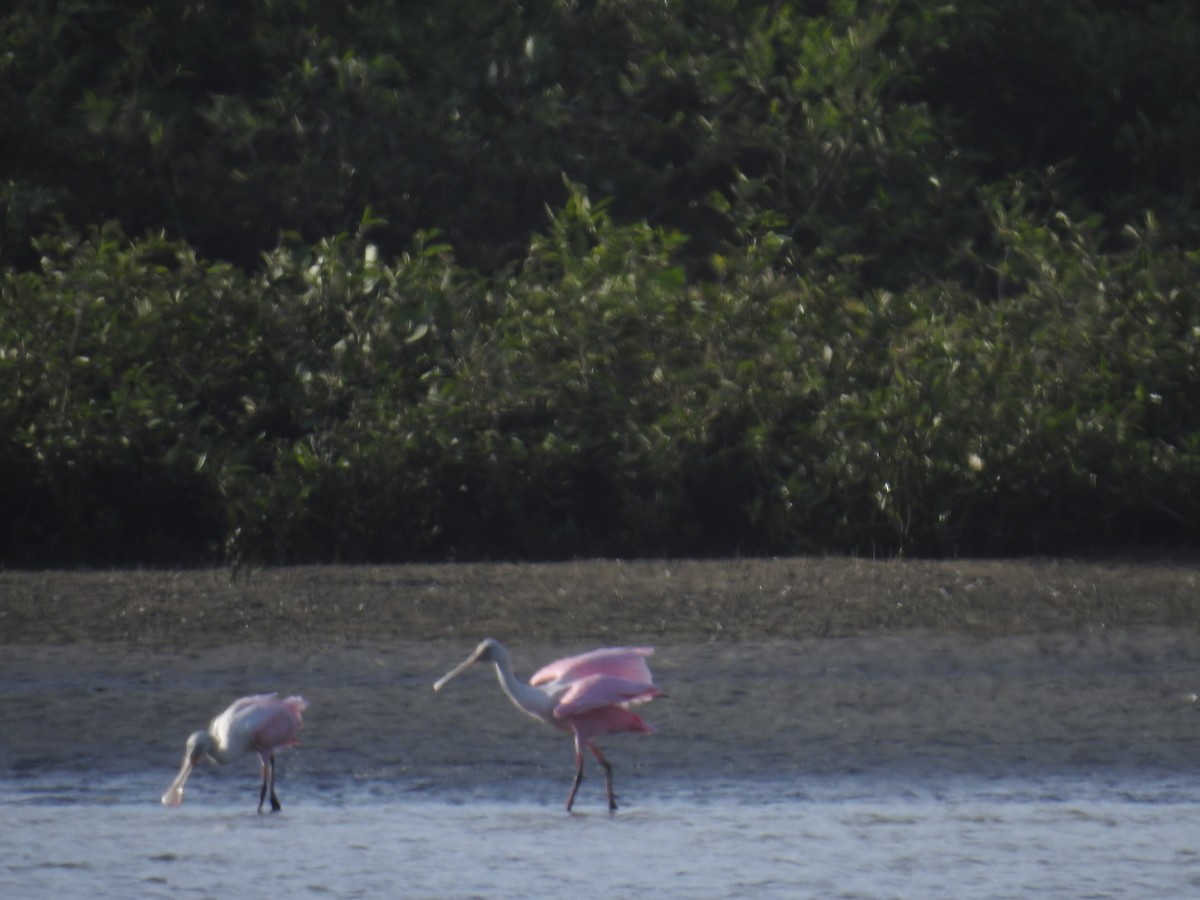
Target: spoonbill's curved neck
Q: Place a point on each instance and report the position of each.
(523, 696)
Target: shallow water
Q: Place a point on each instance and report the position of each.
(923, 767)
(860, 837)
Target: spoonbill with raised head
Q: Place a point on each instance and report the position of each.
(589, 695)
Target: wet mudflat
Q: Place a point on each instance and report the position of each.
(1040, 740)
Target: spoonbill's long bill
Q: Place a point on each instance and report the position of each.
(589, 695)
(261, 724)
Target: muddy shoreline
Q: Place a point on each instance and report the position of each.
(595, 601)
(781, 669)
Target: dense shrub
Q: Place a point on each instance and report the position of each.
(561, 278)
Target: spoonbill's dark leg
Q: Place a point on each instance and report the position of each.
(262, 790)
(578, 774)
(268, 785)
(275, 805)
(608, 782)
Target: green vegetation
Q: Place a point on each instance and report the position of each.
(291, 281)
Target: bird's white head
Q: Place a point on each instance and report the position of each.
(489, 650)
(200, 745)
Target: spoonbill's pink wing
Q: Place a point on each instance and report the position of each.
(598, 691)
(277, 724)
(618, 662)
(262, 722)
(239, 717)
(247, 705)
(609, 720)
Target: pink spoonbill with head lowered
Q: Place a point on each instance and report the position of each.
(261, 724)
(589, 695)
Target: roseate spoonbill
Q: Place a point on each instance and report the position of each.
(260, 724)
(588, 695)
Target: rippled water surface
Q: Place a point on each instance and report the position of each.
(843, 837)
